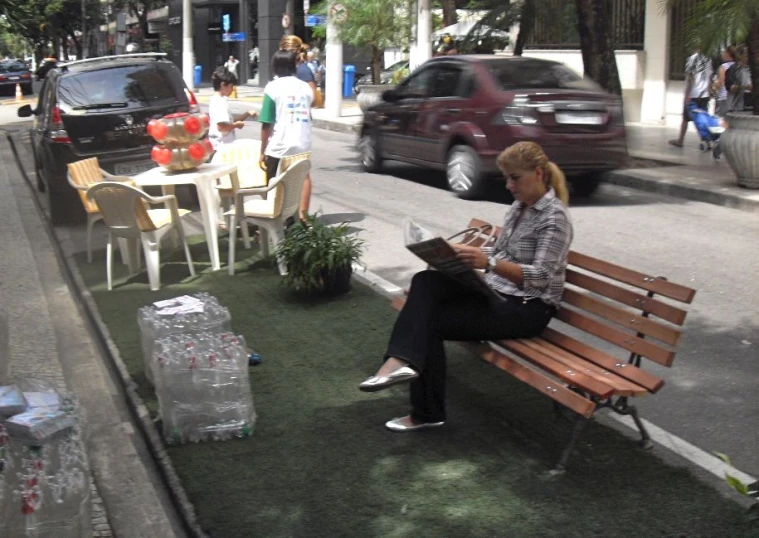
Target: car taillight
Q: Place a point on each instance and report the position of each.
(57, 132)
(26, 75)
(521, 112)
(3, 77)
(193, 101)
(616, 115)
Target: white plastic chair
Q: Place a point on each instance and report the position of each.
(125, 213)
(269, 215)
(244, 153)
(82, 175)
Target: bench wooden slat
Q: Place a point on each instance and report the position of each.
(572, 376)
(535, 379)
(611, 363)
(634, 278)
(627, 341)
(626, 319)
(658, 308)
(621, 386)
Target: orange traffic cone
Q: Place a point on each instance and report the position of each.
(19, 94)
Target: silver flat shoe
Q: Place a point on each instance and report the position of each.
(400, 375)
(395, 425)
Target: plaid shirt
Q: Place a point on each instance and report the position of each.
(539, 243)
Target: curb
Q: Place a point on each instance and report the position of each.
(636, 180)
(62, 246)
(340, 127)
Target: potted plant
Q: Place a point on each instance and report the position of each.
(319, 257)
(374, 25)
(711, 24)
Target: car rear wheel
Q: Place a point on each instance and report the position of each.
(586, 184)
(371, 152)
(464, 172)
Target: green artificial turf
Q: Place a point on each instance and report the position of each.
(320, 463)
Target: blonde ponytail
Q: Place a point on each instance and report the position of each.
(555, 179)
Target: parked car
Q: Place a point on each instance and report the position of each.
(386, 75)
(457, 113)
(15, 72)
(100, 107)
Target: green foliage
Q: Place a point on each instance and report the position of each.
(748, 490)
(313, 249)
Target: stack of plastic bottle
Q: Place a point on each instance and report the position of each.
(185, 315)
(44, 472)
(202, 385)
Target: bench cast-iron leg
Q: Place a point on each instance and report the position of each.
(576, 430)
(645, 439)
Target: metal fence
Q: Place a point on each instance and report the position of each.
(556, 25)
(678, 37)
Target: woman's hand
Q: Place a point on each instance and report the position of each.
(262, 161)
(239, 124)
(251, 114)
(471, 256)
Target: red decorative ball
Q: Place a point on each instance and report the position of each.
(157, 130)
(206, 120)
(192, 125)
(161, 155)
(196, 151)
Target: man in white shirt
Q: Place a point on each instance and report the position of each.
(231, 66)
(698, 76)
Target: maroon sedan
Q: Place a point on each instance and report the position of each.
(457, 113)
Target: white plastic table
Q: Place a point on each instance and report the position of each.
(204, 178)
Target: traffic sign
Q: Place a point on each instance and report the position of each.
(316, 20)
(226, 22)
(234, 36)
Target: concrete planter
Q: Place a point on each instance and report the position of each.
(740, 143)
(370, 94)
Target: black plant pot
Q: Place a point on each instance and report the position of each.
(337, 281)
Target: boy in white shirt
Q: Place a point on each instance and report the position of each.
(223, 122)
(286, 119)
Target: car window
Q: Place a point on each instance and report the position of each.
(12, 67)
(131, 86)
(511, 75)
(419, 84)
(451, 81)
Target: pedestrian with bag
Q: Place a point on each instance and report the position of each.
(698, 75)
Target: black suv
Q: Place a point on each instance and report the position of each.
(100, 107)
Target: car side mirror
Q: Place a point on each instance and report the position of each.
(25, 111)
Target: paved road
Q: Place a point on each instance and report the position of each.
(710, 395)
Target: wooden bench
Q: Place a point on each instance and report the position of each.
(636, 314)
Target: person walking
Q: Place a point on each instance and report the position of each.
(740, 82)
(728, 59)
(231, 66)
(698, 74)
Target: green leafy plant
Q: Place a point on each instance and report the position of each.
(319, 257)
(749, 490)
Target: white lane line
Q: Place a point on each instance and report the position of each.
(670, 441)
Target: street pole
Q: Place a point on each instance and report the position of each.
(333, 98)
(84, 30)
(188, 57)
(423, 41)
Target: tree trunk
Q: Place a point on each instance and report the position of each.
(449, 12)
(526, 25)
(594, 27)
(376, 64)
(753, 59)
(78, 47)
(56, 47)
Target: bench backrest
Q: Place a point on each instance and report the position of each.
(639, 313)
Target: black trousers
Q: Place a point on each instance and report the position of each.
(437, 309)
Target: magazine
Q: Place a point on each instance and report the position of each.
(440, 255)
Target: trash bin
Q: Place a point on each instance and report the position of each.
(198, 75)
(349, 74)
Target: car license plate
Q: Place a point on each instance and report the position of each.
(14, 78)
(580, 118)
(133, 168)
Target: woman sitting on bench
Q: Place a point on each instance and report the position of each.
(526, 268)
